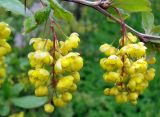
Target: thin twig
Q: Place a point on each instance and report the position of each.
(97, 5)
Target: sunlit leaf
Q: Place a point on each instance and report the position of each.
(30, 24)
(42, 14)
(14, 6)
(147, 21)
(59, 11)
(133, 5)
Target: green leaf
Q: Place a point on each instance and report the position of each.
(2, 100)
(28, 102)
(124, 14)
(14, 6)
(147, 21)
(6, 88)
(155, 30)
(30, 24)
(4, 110)
(133, 5)
(16, 89)
(42, 14)
(59, 11)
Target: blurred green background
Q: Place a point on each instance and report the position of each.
(94, 30)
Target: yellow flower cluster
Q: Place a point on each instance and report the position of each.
(5, 48)
(66, 70)
(5, 31)
(127, 69)
(63, 82)
(69, 44)
(39, 76)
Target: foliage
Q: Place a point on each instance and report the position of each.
(94, 30)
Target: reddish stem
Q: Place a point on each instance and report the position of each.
(54, 81)
(123, 29)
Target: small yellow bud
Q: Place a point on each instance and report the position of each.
(121, 98)
(67, 97)
(41, 91)
(49, 108)
(133, 96)
(58, 102)
(76, 77)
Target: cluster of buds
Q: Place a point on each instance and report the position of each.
(127, 69)
(60, 82)
(5, 48)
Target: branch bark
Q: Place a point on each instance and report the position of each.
(97, 5)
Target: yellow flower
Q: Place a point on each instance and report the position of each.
(121, 98)
(67, 97)
(108, 49)
(71, 62)
(150, 74)
(151, 60)
(58, 101)
(111, 63)
(74, 40)
(40, 58)
(2, 72)
(4, 47)
(5, 31)
(73, 88)
(112, 77)
(64, 83)
(76, 77)
(69, 44)
(41, 91)
(129, 39)
(49, 108)
(133, 96)
(113, 91)
(38, 77)
(41, 44)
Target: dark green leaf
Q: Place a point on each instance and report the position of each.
(16, 89)
(6, 88)
(59, 11)
(133, 5)
(29, 101)
(30, 24)
(4, 110)
(14, 6)
(147, 21)
(42, 15)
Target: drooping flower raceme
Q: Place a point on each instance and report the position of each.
(60, 82)
(5, 48)
(126, 69)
